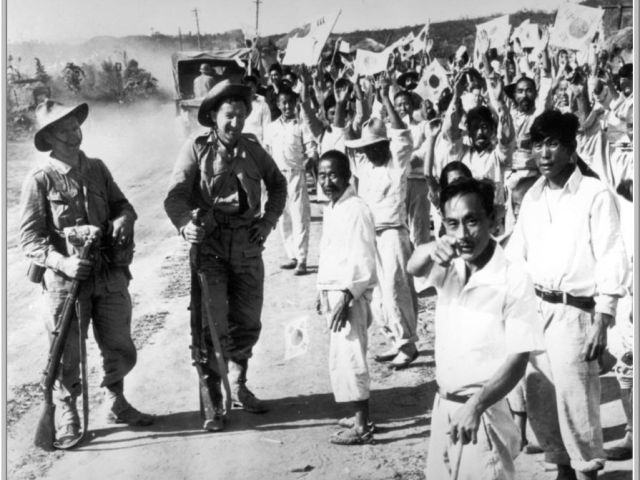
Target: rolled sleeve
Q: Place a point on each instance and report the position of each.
(523, 324)
(401, 146)
(612, 267)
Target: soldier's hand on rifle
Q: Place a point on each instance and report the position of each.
(259, 231)
(193, 233)
(122, 232)
(75, 268)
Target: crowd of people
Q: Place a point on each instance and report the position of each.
(510, 197)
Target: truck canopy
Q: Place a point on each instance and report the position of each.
(226, 64)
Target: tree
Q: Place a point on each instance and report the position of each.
(41, 73)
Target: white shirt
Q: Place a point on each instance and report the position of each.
(577, 246)
(418, 136)
(332, 140)
(287, 142)
(619, 118)
(488, 164)
(348, 246)
(258, 119)
(480, 323)
(384, 188)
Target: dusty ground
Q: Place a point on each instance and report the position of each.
(290, 442)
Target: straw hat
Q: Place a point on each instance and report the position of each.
(373, 131)
(50, 112)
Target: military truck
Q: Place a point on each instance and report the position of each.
(226, 64)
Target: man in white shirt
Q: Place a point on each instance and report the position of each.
(289, 139)
(491, 143)
(568, 233)
(418, 205)
(346, 277)
(260, 115)
(381, 166)
(485, 328)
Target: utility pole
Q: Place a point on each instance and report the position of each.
(195, 11)
(180, 37)
(257, 2)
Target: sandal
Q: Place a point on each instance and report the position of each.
(352, 437)
(349, 422)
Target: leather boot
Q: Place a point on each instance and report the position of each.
(214, 421)
(67, 421)
(241, 396)
(122, 411)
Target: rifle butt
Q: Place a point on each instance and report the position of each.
(45, 431)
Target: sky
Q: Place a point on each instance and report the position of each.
(78, 20)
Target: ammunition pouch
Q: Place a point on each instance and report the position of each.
(119, 255)
(35, 272)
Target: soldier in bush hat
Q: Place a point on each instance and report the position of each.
(203, 82)
(219, 172)
(64, 187)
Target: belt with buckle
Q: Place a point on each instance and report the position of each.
(231, 221)
(554, 296)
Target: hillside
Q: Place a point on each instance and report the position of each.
(154, 51)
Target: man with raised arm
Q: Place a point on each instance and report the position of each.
(485, 327)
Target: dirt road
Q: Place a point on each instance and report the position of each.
(290, 442)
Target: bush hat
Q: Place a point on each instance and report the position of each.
(48, 113)
(217, 94)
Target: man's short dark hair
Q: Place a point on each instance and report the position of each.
(275, 67)
(626, 71)
(329, 103)
(286, 91)
(464, 186)
(554, 124)
(404, 93)
(445, 99)
(481, 114)
(291, 73)
(454, 166)
(341, 162)
(531, 82)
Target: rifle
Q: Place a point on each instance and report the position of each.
(199, 296)
(45, 431)
(198, 349)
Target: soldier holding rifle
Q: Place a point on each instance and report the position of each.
(218, 173)
(64, 189)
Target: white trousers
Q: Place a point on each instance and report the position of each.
(395, 301)
(563, 391)
(491, 458)
(348, 368)
(296, 217)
